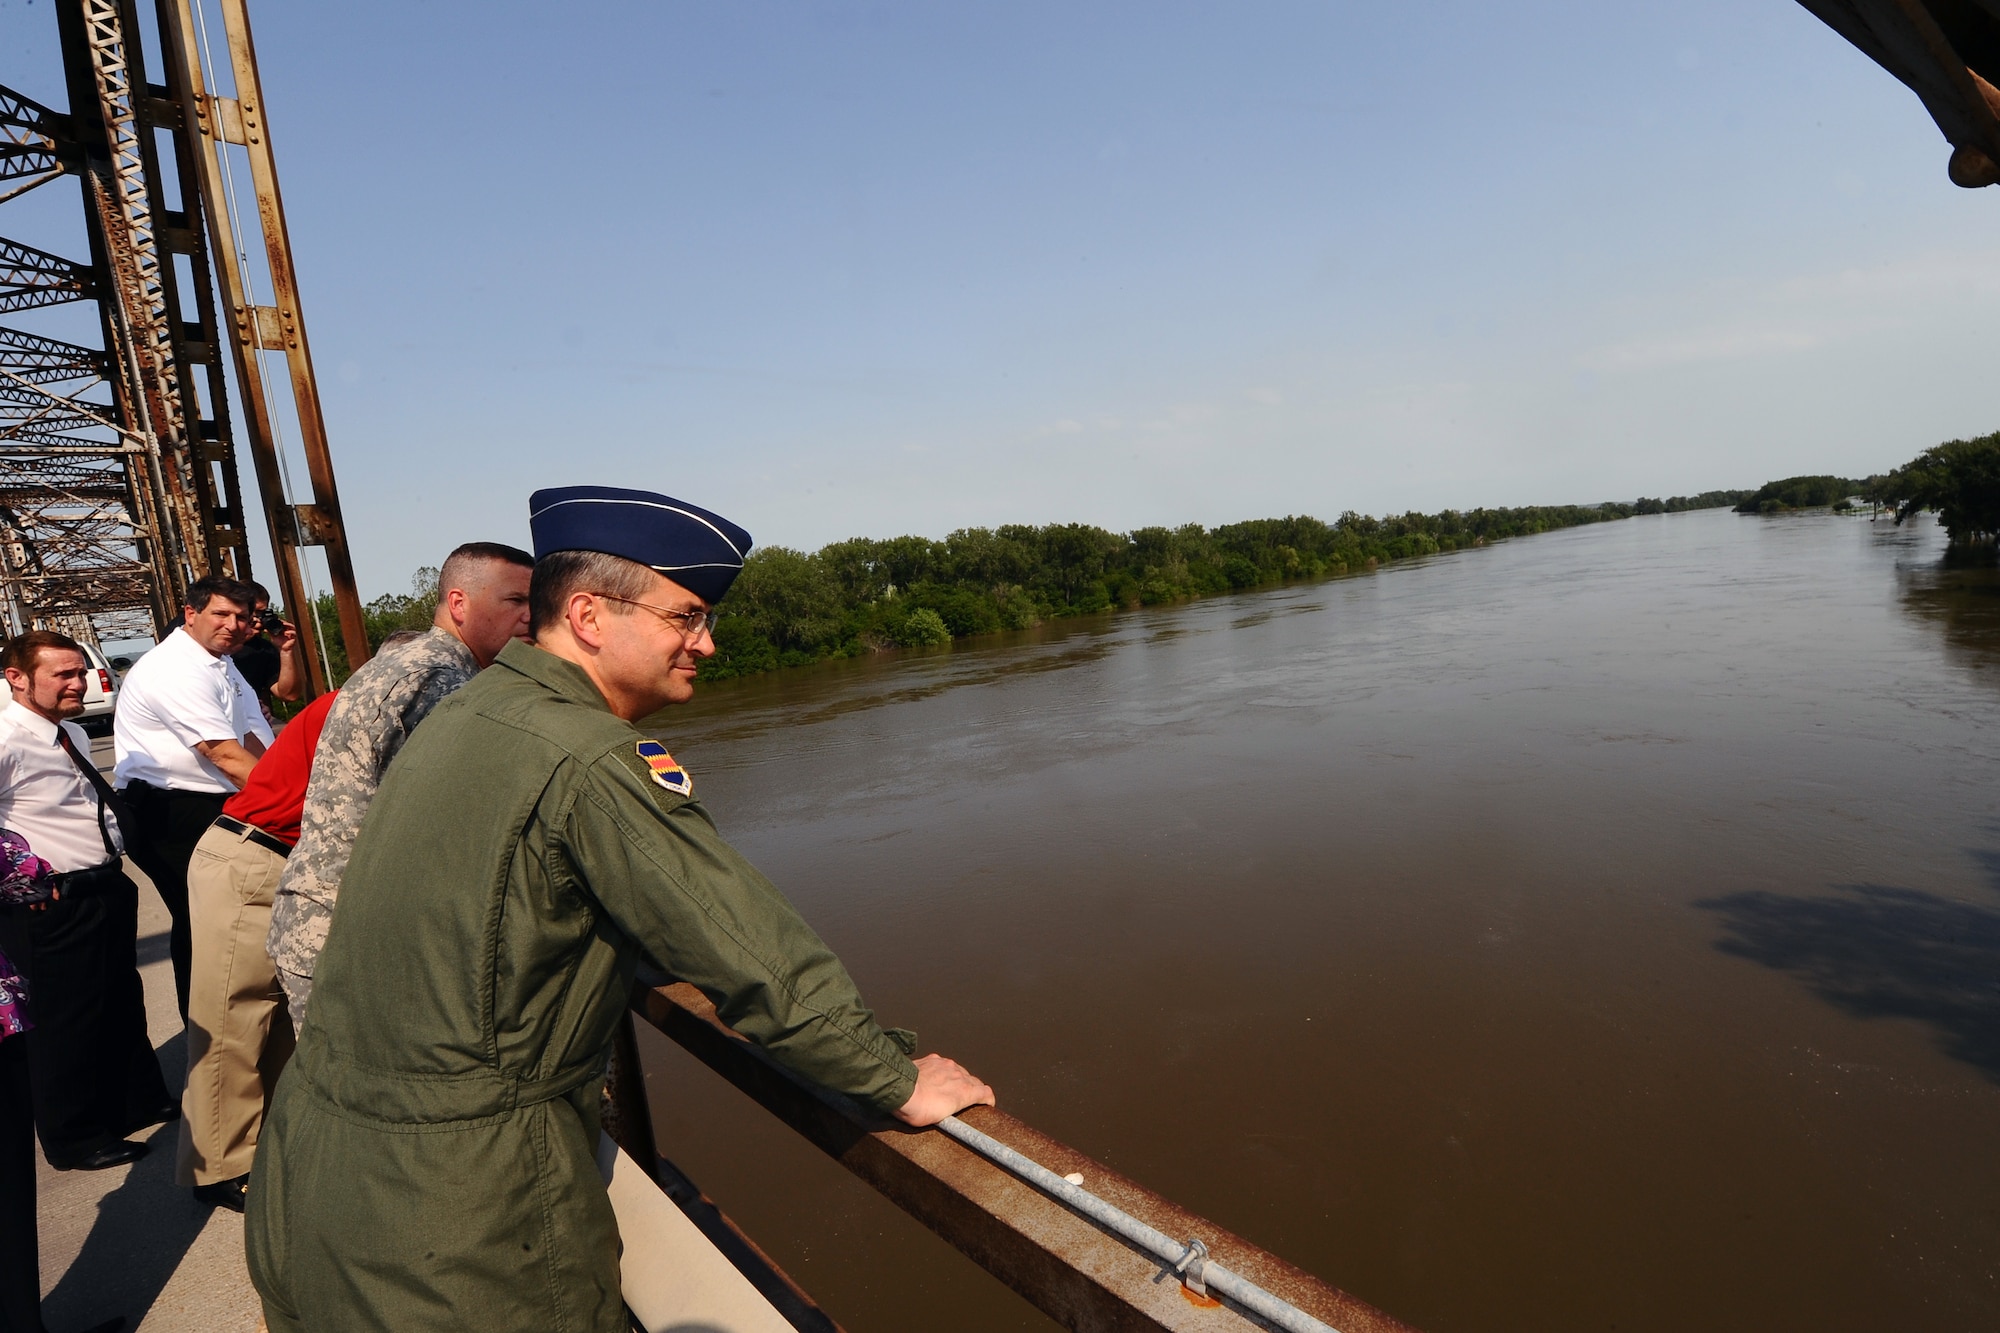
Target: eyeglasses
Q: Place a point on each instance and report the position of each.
(691, 624)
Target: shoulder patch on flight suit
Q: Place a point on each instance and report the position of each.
(665, 771)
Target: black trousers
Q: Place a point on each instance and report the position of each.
(170, 823)
(20, 1256)
(96, 1078)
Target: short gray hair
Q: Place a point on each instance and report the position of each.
(561, 575)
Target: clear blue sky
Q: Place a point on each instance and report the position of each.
(842, 269)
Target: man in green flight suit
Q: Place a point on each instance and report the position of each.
(429, 1160)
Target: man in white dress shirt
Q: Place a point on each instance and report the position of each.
(92, 1066)
(188, 731)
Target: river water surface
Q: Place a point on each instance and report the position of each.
(1598, 930)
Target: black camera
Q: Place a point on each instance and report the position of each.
(273, 623)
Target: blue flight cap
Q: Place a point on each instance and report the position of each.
(701, 551)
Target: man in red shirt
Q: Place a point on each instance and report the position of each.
(239, 1035)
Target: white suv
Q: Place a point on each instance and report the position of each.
(100, 694)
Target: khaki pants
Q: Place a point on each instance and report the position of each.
(238, 1035)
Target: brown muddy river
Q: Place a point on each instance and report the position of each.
(1600, 930)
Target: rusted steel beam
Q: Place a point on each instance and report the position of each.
(215, 120)
(1078, 1274)
(30, 278)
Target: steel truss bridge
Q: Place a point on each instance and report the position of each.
(118, 461)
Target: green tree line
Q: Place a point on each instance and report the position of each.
(1775, 497)
(792, 607)
(1959, 480)
(1680, 504)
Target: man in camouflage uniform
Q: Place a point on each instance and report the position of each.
(482, 603)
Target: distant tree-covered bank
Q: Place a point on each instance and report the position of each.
(1681, 504)
(790, 607)
(1959, 479)
(1774, 497)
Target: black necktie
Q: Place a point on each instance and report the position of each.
(107, 799)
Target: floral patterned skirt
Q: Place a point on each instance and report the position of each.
(24, 878)
(13, 991)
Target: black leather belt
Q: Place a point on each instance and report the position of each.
(251, 833)
(71, 881)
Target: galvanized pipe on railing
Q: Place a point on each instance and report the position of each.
(1186, 1260)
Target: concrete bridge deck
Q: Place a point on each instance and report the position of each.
(127, 1240)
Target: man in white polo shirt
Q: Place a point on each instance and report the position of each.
(188, 731)
(93, 1071)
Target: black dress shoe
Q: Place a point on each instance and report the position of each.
(224, 1193)
(111, 1325)
(111, 1154)
(166, 1114)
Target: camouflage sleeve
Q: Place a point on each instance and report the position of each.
(654, 861)
(364, 731)
(298, 992)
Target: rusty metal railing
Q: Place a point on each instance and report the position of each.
(1077, 1272)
